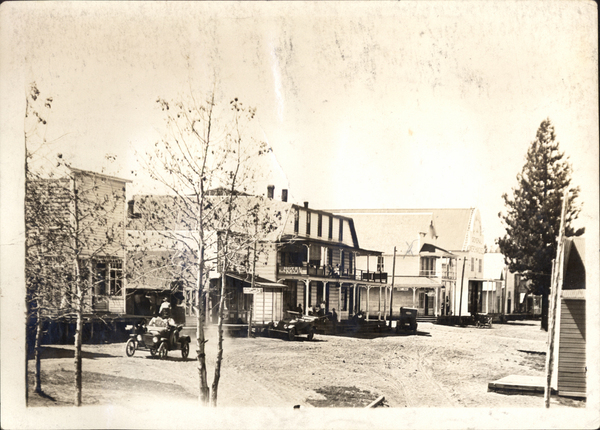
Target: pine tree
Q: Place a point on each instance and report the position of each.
(532, 217)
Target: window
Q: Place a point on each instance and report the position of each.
(308, 215)
(342, 260)
(320, 225)
(296, 221)
(427, 266)
(480, 265)
(341, 230)
(109, 278)
(344, 299)
(380, 267)
(330, 227)
(472, 264)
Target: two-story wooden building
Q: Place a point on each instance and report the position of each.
(89, 210)
(307, 258)
(438, 259)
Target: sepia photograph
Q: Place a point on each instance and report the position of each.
(303, 215)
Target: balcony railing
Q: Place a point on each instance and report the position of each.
(446, 273)
(333, 272)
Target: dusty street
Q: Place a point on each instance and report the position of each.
(440, 367)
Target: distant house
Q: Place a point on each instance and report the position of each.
(570, 365)
(438, 267)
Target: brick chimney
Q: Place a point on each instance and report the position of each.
(306, 205)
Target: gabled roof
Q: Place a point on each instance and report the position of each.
(385, 228)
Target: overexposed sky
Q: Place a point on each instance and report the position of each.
(366, 105)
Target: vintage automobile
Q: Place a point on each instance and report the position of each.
(295, 326)
(159, 337)
(483, 321)
(407, 320)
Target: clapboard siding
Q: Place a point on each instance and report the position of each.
(334, 297)
(266, 266)
(572, 357)
(268, 306)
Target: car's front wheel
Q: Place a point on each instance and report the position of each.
(185, 350)
(311, 333)
(130, 348)
(162, 350)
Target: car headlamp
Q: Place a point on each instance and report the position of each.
(139, 337)
(155, 339)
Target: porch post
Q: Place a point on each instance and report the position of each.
(436, 301)
(368, 291)
(354, 298)
(414, 289)
(306, 295)
(379, 305)
(339, 308)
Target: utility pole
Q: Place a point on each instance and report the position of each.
(555, 285)
(392, 287)
(462, 281)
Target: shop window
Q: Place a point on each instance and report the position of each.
(380, 266)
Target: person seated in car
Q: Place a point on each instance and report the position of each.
(165, 308)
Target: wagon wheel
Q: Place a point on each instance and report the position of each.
(162, 350)
(292, 334)
(130, 348)
(311, 333)
(185, 350)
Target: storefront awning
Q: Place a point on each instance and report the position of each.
(258, 281)
(415, 282)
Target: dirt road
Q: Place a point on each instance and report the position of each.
(440, 367)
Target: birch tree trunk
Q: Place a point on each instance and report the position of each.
(200, 338)
(37, 348)
(78, 332)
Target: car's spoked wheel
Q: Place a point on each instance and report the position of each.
(162, 350)
(292, 334)
(185, 350)
(311, 333)
(130, 348)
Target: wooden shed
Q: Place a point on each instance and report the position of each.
(570, 362)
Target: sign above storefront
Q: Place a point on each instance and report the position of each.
(249, 290)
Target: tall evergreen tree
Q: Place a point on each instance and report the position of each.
(532, 217)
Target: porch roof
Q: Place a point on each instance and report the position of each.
(258, 281)
(415, 281)
(435, 251)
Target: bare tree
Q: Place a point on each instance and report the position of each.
(208, 165)
(73, 220)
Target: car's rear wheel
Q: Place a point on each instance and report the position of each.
(311, 333)
(185, 350)
(162, 350)
(130, 348)
(292, 334)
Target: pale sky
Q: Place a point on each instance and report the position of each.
(366, 105)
